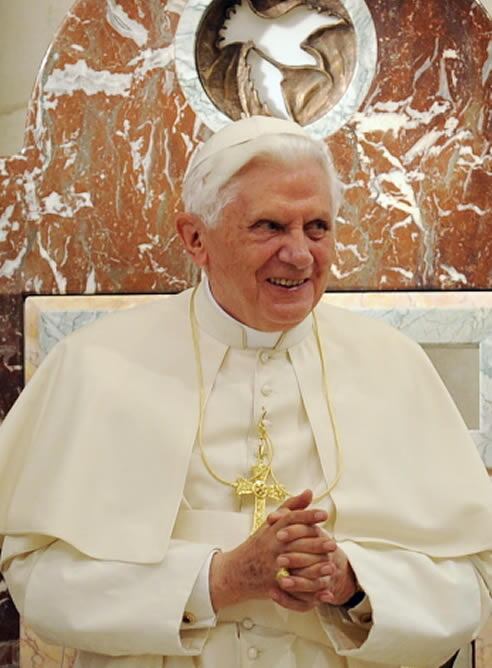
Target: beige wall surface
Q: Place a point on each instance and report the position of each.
(26, 30)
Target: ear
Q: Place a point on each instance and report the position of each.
(192, 231)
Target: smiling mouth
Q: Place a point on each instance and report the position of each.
(286, 282)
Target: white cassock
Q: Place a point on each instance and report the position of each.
(98, 479)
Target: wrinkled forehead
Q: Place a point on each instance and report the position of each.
(266, 171)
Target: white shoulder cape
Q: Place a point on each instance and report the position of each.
(95, 451)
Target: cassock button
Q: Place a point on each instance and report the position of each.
(266, 390)
(248, 623)
(264, 357)
(253, 653)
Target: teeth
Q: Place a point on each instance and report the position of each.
(285, 282)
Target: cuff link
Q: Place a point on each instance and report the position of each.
(189, 617)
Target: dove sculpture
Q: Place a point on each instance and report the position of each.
(266, 79)
(278, 38)
(276, 43)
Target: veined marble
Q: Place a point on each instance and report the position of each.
(48, 320)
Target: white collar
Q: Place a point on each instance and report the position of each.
(222, 326)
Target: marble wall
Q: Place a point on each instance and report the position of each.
(87, 206)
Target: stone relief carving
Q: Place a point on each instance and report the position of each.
(305, 48)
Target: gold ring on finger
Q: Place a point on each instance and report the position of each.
(282, 573)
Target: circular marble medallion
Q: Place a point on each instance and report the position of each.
(309, 60)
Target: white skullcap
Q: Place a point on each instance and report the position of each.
(243, 131)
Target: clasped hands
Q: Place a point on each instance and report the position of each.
(290, 538)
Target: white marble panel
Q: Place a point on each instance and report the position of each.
(458, 364)
(487, 4)
(439, 318)
(47, 320)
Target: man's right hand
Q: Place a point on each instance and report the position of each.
(248, 571)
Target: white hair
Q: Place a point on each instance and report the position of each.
(206, 188)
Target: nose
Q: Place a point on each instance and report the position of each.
(295, 250)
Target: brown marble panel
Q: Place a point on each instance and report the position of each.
(10, 385)
(9, 655)
(96, 201)
(10, 350)
(109, 133)
(9, 630)
(421, 148)
(9, 619)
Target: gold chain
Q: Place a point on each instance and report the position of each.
(267, 440)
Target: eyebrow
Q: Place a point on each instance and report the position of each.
(324, 215)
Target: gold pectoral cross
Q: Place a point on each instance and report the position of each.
(257, 484)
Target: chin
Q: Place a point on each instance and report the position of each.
(281, 321)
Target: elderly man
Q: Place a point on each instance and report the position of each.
(140, 465)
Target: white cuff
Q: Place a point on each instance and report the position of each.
(419, 614)
(199, 612)
(361, 614)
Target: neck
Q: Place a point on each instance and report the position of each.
(255, 337)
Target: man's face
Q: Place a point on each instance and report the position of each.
(267, 258)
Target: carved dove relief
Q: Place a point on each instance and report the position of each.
(274, 45)
(292, 60)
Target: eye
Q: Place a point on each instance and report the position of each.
(317, 229)
(268, 226)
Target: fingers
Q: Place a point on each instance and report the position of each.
(335, 592)
(326, 596)
(285, 600)
(298, 502)
(320, 570)
(328, 568)
(304, 562)
(297, 531)
(276, 515)
(310, 545)
(299, 585)
(338, 587)
(312, 516)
